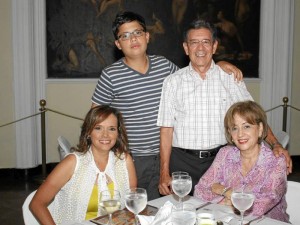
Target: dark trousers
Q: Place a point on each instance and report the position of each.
(195, 166)
(147, 170)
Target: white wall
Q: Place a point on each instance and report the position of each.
(71, 98)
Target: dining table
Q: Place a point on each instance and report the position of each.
(222, 213)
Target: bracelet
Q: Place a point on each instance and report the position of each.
(224, 191)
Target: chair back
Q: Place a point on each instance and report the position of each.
(293, 199)
(283, 138)
(64, 146)
(28, 217)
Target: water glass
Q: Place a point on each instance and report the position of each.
(242, 199)
(176, 173)
(183, 215)
(181, 186)
(136, 201)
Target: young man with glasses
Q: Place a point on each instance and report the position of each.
(133, 85)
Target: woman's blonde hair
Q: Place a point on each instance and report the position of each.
(252, 112)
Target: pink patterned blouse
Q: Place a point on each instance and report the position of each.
(267, 179)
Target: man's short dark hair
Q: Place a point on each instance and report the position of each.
(198, 24)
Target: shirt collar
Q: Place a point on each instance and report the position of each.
(195, 74)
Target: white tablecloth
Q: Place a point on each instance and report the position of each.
(221, 212)
(80, 223)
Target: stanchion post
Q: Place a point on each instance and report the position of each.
(284, 119)
(43, 137)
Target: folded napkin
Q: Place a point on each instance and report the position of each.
(162, 217)
(145, 220)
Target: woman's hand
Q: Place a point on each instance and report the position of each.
(220, 189)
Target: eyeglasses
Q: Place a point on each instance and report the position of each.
(195, 43)
(125, 36)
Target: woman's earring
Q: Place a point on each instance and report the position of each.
(88, 139)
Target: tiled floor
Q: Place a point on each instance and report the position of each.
(15, 186)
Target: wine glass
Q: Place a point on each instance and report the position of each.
(181, 186)
(136, 201)
(110, 201)
(242, 199)
(179, 173)
(184, 215)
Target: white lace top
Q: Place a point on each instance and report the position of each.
(71, 202)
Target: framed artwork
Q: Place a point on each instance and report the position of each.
(80, 42)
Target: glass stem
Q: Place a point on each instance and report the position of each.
(136, 219)
(242, 217)
(110, 219)
(180, 203)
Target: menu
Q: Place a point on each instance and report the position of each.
(124, 217)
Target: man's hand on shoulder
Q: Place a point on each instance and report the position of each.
(279, 150)
(231, 69)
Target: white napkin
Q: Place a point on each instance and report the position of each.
(145, 220)
(162, 217)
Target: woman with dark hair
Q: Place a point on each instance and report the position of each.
(100, 162)
(247, 162)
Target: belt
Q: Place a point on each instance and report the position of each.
(202, 153)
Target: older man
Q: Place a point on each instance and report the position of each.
(192, 108)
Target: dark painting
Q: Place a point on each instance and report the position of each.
(80, 42)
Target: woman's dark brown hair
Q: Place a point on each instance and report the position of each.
(97, 115)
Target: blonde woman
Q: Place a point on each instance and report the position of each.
(247, 162)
